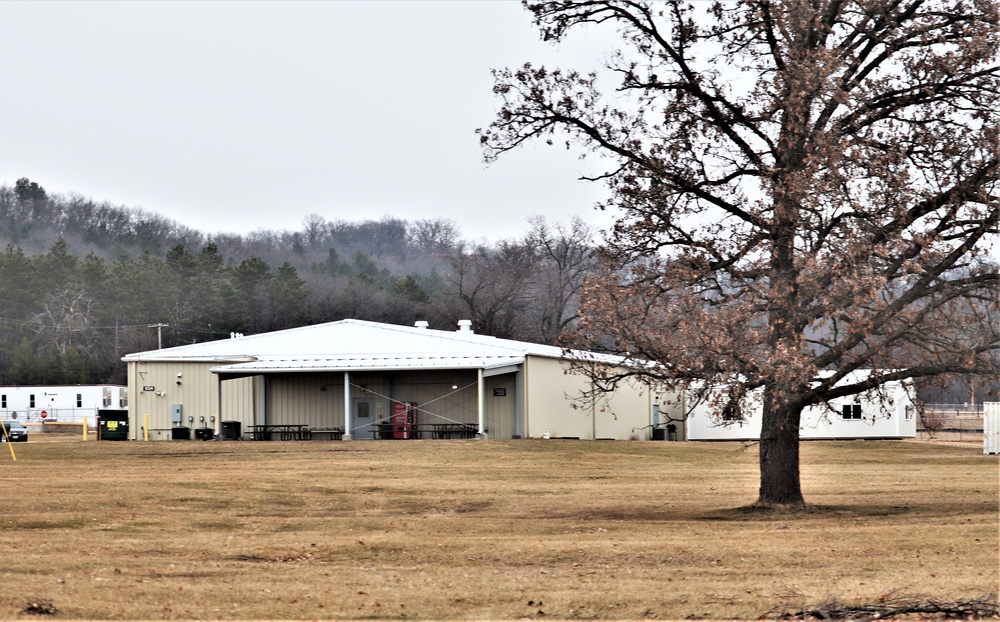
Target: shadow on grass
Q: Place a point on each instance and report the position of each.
(751, 513)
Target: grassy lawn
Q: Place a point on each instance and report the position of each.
(483, 529)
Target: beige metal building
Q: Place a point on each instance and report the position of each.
(365, 380)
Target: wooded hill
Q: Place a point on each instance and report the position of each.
(84, 283)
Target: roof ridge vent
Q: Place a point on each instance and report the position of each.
(465, 326)
(422, 324)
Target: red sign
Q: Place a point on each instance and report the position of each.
(44, 414)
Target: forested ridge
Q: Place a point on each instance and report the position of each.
(85, 282)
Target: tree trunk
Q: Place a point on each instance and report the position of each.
(779, 453)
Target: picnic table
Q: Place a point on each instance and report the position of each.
(284, 431)
(453, 430)
(389, 431)
(335, 433)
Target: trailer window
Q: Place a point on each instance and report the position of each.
(851, 411)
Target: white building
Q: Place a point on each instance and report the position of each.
(67, 403)
(361, 378)
(888, 413)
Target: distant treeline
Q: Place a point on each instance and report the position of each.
(83, 283)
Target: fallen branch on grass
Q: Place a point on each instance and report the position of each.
(40, 608)
(890, 606)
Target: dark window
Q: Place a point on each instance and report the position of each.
(3, 401)
(851, 411)
(79, 400)
(31, 401)
(731, 413)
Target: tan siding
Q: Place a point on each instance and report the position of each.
(500, 410)
(298, 398)
(241, 401)
(554, 401)
(626, 413)
(557, 402)
(193, 390)
(551, 399)
(316, 400)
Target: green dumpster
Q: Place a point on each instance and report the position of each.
(113, 425)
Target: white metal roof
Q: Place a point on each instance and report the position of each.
(355, 345)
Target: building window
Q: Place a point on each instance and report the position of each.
(730, 412)
(31, 401)
(851, 411)
(79, 400)
(909, 413)
(3, 401)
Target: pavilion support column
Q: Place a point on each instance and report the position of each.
(518, 403)
(481, 401)
(347, 407)
(218, 419)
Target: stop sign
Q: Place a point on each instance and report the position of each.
(44, 414)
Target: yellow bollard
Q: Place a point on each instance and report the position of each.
(85, 427)
(9, 444)
(145, 427)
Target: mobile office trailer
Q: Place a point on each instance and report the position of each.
(65, 403)
(889, 413)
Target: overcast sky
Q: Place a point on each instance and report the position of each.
(239, 116)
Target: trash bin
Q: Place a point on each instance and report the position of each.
(659, 434)
(204, 434)
(113, 425)
(232, 430)
(180, 433)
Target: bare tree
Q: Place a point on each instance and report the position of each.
(564, 258)
(434, 235)
(314, 229)
(805, 188)
(491, 287)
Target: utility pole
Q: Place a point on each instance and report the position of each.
(159, 334)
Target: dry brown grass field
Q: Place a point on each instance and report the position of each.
(482, 529)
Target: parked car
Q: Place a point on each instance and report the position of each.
(15, 431)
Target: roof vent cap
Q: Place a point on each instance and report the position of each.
(465, 326)
(422, 324)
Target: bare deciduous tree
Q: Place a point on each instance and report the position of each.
(564, 259)
(805, 188)
(491, 286)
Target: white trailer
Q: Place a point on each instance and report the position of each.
(60, 403)
(889, 413)
(991, 428)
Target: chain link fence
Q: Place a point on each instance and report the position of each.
(951, 422)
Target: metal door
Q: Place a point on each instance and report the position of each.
(363, 418)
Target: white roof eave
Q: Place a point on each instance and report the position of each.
(365, 364)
